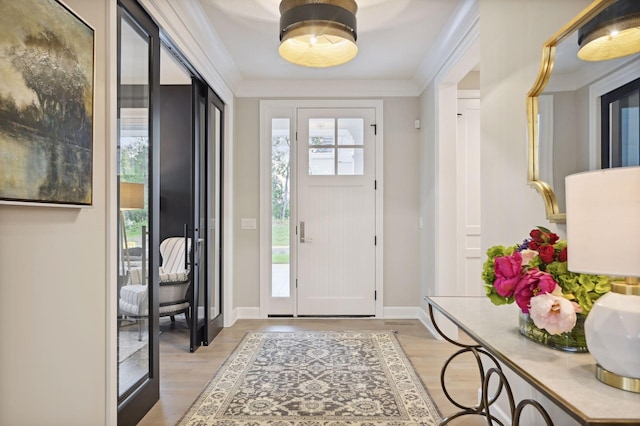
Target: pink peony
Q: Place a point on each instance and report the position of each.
(507, 271)
(558, 292)
(553, 313)
(532, 283)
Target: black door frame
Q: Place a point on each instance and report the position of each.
(607, 157)
(215, 324)
(199, 269)
(133, 406)
(204, 327)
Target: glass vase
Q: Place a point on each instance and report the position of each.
(572, 341)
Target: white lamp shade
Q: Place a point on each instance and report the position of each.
(131, 196)
(603, 234)
(603, 221)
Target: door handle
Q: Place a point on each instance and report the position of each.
(186, 246)
(303, 239)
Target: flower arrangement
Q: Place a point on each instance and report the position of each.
(534, 274)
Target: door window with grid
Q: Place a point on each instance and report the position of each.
(336, 146)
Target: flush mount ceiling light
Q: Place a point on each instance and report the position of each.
(318, 33)
(613, 33)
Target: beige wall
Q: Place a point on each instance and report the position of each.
(512, 34)
(400, 206)
(471, 81)
(246, 179)
(570, 138)
(52, 288)
(401, 261)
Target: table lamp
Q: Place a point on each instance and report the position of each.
(131, 198)
(603, 235)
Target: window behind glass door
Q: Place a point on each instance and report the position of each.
(620, 126)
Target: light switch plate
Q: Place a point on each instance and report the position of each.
(248, 223)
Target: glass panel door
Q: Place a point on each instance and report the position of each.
(199, 216)
(207, 320)
(620, 126)
(280, 207)
(191, 186)
(281, 294)
(138, 51)
(213, 164)
(133, 301)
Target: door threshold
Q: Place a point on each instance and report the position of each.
(335, 316)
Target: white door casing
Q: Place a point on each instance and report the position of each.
(278, 109)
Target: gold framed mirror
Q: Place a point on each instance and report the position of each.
(560, 52)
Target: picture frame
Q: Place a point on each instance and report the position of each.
(47, 57)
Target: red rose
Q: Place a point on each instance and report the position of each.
(562, 256)
(536, 234)
(543, 236)
(547, 253)
(533, 245)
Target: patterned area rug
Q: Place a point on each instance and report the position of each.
(315, 378)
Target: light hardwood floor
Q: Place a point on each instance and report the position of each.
(184, 375)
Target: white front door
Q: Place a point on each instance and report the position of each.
(336, 254)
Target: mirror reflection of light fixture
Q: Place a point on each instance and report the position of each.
(603, 232)
(613, 33)
(318, 33)
(131, 198)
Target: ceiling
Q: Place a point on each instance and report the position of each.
(394, 38)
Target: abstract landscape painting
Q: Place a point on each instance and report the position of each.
(46, 104)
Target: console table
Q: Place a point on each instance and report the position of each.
(567, 379)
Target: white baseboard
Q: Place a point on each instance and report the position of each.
(232, 318)
(400, 312)
(444, 324)
(392, 312)
(500, 414)
(246, 313)
(424, 318)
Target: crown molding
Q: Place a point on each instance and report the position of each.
(462, 29)
(186, 24)
(326, 88)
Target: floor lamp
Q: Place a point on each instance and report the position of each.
(131, 198)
